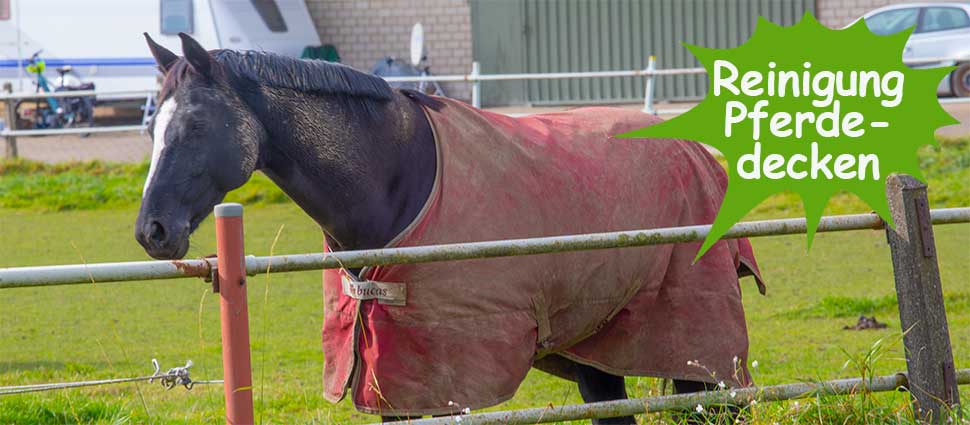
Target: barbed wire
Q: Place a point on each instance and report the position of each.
(174, 377)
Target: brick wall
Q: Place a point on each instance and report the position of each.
(839, 13)
(367, 30)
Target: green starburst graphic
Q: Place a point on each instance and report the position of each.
(811, 110)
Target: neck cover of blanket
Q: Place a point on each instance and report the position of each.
(435, 338)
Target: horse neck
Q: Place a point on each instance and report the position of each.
(363, 177)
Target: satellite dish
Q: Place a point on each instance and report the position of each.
(417, 44)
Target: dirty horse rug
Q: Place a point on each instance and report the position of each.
(435, 338)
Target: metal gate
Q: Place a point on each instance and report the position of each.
(598, 35)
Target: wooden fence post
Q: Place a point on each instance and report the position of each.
(231, 274)
(10, 146)
(929, 359)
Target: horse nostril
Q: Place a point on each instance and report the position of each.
(156, 232)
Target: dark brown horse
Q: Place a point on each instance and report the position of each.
(355, 155)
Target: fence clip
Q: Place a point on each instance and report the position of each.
(174, 376)
(213, 276)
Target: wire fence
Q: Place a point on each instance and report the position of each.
(231, 265)
(174, 377)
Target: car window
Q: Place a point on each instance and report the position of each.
(270, 12)
(176, 16)
(943, 18)
(892, 21)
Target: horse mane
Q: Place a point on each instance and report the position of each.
(280, 71)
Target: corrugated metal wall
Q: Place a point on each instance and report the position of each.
(590, 35)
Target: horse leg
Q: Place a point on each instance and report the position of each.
(596, 385)
(714, 414)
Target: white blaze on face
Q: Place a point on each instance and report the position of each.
(165, 113)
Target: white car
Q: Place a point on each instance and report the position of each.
(941, 38)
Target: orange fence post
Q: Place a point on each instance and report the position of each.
(231, 274)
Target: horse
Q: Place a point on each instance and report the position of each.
(362, 160)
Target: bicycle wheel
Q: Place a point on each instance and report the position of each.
(82, 114)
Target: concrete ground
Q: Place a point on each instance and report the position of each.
(133, 147)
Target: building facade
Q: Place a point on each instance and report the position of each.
(364, 31)
(515, 35)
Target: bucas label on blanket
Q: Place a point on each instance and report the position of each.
(811, 110)
(389, 293)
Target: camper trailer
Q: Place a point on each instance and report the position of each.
(101, 40)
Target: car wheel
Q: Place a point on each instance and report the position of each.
(960, 81)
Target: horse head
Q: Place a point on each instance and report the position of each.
(205, 143)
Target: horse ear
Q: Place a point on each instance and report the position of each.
(163, 57)
(196, 55)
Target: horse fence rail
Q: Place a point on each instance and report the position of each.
(74, 93)
(204, 267)
(931, 371)
(681, 402)
(475, 77)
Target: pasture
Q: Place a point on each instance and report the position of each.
(114, 330)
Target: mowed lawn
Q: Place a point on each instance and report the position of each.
(114, 329)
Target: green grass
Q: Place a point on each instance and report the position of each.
(110, 330)
(97, 185)
(114, 330)
(37, 186)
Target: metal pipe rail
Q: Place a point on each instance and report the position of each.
(475, 77)
(74, 130)
(680, 402)
(149, 270)
(647, 72)
(546, 76)
(75, 93)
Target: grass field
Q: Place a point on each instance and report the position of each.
(114, 330)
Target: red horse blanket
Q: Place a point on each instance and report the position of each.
(438, 337)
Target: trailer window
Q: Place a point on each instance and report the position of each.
(4, 10)
(176, 16)
(270, 12)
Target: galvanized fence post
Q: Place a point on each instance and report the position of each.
(10, 145)
(231, 285)
(929, 359)
(648, 91)
(476, 85)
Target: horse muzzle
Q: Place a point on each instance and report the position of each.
(162, 241)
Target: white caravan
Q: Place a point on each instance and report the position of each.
(102, 39)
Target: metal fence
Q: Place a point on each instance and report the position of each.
(931, 378)
(682, 402)
(11, 132)
(650, 74)
(203, 268)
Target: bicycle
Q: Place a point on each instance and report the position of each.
(53, 112)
